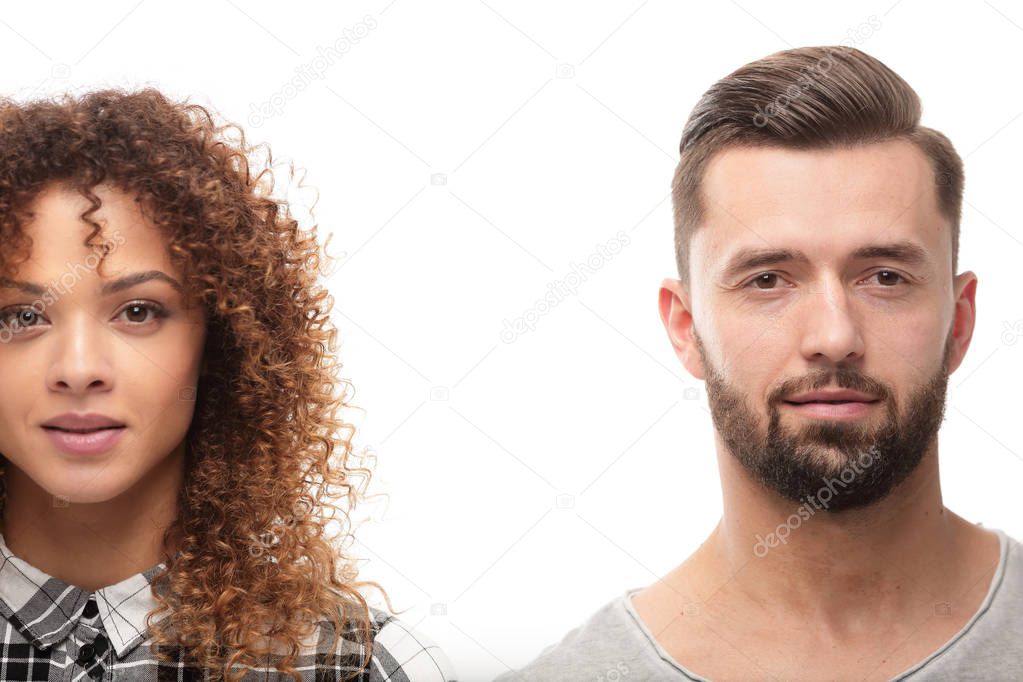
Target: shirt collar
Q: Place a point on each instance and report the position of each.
(45, 609)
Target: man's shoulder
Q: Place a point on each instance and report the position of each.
(1015, 544)
(609, 644)
(1007, 585)
(1008, 581)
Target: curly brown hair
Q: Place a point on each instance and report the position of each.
(266, 450)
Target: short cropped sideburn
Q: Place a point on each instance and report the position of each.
(806, 98)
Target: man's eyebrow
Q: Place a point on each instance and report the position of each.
(117, 285)
(907, 252)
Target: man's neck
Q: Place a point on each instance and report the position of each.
(844, 572)
(866, 593)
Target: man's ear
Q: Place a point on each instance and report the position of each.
(674, 305)
(965, 286)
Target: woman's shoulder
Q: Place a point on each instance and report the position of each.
(399, 651)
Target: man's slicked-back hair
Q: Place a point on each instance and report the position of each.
(807, 98)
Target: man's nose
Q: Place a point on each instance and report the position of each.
(831, 326)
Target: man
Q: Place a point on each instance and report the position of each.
(817, 230)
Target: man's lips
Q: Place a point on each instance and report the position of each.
(827, 402)
(834, 410)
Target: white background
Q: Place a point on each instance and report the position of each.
(469, 153)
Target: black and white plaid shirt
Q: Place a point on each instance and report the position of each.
(57, 631)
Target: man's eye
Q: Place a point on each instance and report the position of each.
(889, 279)
(893, 274)
(763, 278)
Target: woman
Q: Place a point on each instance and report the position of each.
(168, 421)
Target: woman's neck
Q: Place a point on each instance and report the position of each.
(92, 544)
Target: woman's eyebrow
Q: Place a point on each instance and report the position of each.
(126, 282)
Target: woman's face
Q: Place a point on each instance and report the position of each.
(131, 353)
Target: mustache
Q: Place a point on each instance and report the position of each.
(848, 379)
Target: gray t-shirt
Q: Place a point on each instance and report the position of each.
(614, 645)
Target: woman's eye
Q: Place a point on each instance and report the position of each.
(18, 318)
(139, 309)
(25, 317)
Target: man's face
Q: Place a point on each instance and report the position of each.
(77, 350)
(878, 323)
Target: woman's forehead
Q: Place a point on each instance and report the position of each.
(127, 240)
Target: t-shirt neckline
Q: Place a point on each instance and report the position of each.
(625, 600)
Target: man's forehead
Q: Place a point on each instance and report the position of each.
(740, 182)
(872, 201)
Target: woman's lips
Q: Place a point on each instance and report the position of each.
(89, 443)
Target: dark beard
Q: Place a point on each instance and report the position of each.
(802, 465)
